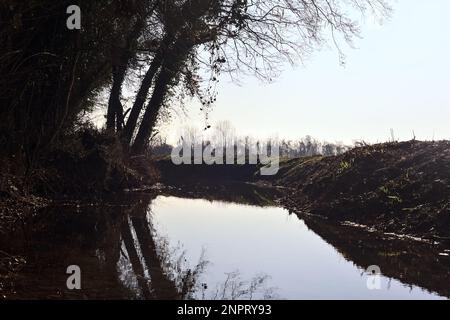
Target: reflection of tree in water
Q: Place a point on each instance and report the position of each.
(141, 251)
(412, 263)
(120, 255)
(234, 288)
(155, 270)
(186, 278)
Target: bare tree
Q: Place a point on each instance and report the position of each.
(225, 133)
(239, 36)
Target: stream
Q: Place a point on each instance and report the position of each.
(173, 245)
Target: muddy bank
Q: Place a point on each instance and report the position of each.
(396, 187)
(205, 174)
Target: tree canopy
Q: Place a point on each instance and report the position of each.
(51, 74)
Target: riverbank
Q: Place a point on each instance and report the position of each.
(403, 188)
(87, 167)
(400, 187)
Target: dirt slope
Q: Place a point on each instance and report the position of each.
(394, 187)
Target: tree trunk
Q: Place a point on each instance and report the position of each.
(140, 98)
(169, 69)
(152, 110)
(114, 118)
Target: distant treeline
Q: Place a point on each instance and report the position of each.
(224, 134)
(303, 147)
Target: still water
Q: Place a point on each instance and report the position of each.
(169, 245)
(252, 241)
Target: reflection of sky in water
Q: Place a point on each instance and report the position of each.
(268, 241)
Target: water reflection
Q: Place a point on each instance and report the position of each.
(414, 263)
(269, 240)
(234, 245)
(117, 249)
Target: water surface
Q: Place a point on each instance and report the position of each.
(236, 245)
(267, 241)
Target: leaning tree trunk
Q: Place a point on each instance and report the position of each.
(168, 72)
(140, 98)
(152, 110)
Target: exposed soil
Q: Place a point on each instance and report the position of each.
(393, 187)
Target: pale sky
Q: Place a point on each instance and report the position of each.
(398, 76)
